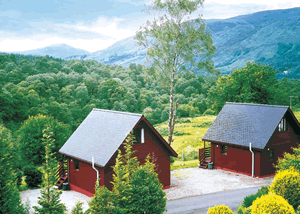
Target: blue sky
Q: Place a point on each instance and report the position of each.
(94, 25)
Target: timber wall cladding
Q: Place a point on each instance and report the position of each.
(281, 142)
(152, 146)
(84, 178)
(236, 159)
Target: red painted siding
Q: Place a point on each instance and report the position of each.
(281, 142)
(152, 146)
(236, 159)
(84, 178)
(108, 176)
(239, 159)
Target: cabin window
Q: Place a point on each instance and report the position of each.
(272, 154)
(282, 125)
(76, 164)
(137, 134)
(223, 149)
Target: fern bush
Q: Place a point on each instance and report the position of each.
(271, 203)
(287, 184)
(220, 209)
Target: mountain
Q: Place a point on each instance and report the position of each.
(269, 37)
(122, 52)
(56, 51)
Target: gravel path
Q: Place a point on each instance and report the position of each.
(184, 183)
(69, 198)
(197, 181)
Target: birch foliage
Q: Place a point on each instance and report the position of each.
(176, 43)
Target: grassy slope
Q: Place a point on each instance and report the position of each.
(189, 135)
(297, 114)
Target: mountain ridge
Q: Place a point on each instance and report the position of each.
(60, 50)
(268, 37)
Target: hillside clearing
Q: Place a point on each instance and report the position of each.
(188, 133)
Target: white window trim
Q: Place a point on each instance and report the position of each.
(142, 136)
(282, 125)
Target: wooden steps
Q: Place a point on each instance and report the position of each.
(204, 165)
(62, 174)
(61, 181)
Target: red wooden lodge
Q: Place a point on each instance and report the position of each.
(249, 138)
(99, 136)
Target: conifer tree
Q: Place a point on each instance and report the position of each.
(136, 188)
(49, 200)
(10, 200)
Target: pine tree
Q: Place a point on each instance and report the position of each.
(49, 200)
(10, 200)
(136, 189)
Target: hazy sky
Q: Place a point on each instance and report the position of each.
(93, 25)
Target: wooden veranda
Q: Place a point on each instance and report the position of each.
(205, 156)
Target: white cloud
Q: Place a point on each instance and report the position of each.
(135, 2)
(104, 32)
(293, 3)
(103, 26)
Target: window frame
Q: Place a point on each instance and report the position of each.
(282, 125)
(76, 165)
(223, 149)
(271, 154)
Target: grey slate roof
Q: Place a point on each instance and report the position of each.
(242, 123)
(100, 135)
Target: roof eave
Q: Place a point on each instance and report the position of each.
(294, 117)
(88, 162)
(230, 144)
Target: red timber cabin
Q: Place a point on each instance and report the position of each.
(99, 136)
(271, 130)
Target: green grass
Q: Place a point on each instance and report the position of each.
(297, 114)
(184, 164)
(188, 133)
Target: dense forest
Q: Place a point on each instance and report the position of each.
(36, 92)
(69, 89)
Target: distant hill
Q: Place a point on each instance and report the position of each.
(57, 51)
(269, 37)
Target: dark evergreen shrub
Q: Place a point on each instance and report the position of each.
(33, 176)
(19, 175)
(248, 200)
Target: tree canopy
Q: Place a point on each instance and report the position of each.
(254, 83)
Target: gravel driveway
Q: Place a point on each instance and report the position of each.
(197, 181)
(184, 183)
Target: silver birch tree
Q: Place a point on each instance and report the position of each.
(176, 43)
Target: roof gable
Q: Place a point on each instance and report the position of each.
(100, 135)
(242, 123)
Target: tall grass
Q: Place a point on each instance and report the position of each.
(188, 135)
